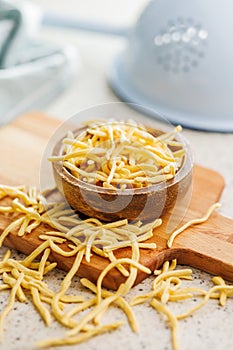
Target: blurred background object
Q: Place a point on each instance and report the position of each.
(32, 71)
(167, 56)
(177, 61)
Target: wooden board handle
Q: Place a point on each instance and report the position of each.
(207, 246)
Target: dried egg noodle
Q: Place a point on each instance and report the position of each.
(123, 155)
(23, 278)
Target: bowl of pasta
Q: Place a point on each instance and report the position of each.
(115, 169)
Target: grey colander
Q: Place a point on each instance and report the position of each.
(179, 63)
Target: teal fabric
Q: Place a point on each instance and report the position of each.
(31, 72)
(13, 17)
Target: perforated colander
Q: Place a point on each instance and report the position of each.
(179, 63)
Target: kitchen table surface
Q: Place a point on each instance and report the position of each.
(211, 326)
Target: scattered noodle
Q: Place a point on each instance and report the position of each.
(173, 320)
(8, 308)
(223, 294)
(80, 337)
(167, 288)
(11, 282)
(83, 238)
(45, 314)
(121, 302)
(192, 222)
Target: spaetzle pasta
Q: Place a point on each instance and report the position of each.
(118, 154)
(84, 238)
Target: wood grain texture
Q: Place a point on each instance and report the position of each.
(208, 246)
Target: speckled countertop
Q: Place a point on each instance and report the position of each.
(212, 326)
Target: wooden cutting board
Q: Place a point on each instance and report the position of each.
(208, 246)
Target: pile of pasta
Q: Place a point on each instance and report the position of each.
(123, 155)
(24, 279)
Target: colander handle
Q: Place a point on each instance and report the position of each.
(55, 20)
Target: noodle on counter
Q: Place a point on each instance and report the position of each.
(83, 238)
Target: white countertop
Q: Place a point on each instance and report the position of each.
(212, 326)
